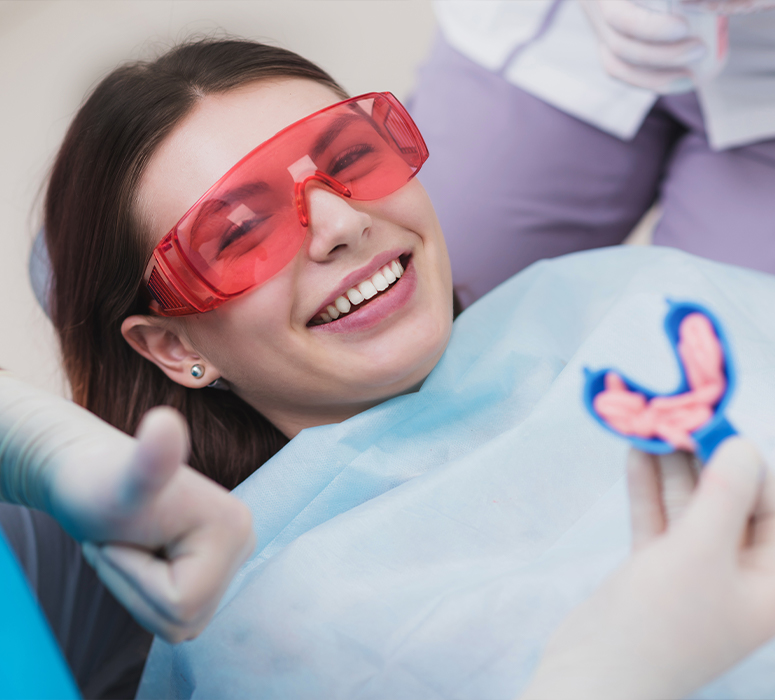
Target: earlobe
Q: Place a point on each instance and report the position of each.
(168, 351)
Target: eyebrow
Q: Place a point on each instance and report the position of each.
(327, 137)
(244, 191)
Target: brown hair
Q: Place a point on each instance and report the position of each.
(98, 252)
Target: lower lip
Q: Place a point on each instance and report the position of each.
(376, 311)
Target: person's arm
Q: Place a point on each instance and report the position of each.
(696, 596)
(164, 539)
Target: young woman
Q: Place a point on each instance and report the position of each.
(436, 511)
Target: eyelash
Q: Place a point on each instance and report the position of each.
(346, 159)
(235, 233)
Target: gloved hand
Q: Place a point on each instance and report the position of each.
(696, 596)
(730, 7)
(648, 49)
(163, 538)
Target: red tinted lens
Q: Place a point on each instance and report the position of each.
(249, 226)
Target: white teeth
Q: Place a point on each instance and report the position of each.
(354, 296)
(368, 289)
(379, 281)
(342, 305)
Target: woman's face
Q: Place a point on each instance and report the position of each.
(265, 343)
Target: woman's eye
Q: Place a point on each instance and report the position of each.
(245, 231)
(350, 157)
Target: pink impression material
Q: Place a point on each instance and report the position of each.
(671, 418)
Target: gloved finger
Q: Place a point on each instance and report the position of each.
(679, 54)
(679, 479)
(140, 582)
(646, 514)
(203, 565)
(762, 535)
(642, 23)
(177, 595)
(730, 7)
(726, 498)
(662, 81)
(162, 446)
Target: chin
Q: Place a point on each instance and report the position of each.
(399, 367)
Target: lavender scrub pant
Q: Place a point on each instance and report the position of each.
(514, 179)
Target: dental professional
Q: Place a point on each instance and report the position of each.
(254, 249)
(594, 111)
(163, 540)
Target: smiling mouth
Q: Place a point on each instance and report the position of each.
(361, 294)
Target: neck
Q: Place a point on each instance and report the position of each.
(291, 421)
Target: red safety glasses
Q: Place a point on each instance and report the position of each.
(251, 223)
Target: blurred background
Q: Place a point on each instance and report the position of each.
(53, 51)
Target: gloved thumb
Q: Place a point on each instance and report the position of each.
(728, 492)
(162, 446)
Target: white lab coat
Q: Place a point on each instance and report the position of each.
(562, 67)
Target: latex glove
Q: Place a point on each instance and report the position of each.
(648, 49)
(661, 489)
(163, 538)
(696, 597)
(730, 7)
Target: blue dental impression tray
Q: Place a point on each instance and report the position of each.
(714, 431)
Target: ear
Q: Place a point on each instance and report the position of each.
(167, 350)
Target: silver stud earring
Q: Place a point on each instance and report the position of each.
(197, 371)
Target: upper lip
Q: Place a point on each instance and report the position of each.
(359, 275)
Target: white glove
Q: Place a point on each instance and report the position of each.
(696, 597)
(730, 7)
(170, 540)
(645, 48)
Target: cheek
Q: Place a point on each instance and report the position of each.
(411, 208)
(253, 325)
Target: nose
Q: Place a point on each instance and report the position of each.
(334, 224)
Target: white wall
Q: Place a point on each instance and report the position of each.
(52, 51)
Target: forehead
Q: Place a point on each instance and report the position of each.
(218, 132)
